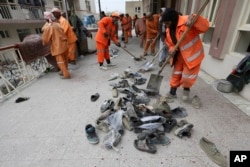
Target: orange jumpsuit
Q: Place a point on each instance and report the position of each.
(71, 38)
(191, 53)
(105, 25)
(152, 31)
(125, 28)
(53, 34)
(129, 19)
(140, 29)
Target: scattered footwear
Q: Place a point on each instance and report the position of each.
(91, 134)
(102, 125)
(114, 92)
(170, 97)
(94, 97)
(212, 152)
(107, 104)
(178, 112)
(145, 145)
(159, 139)
(184, 130)
(196, 102)
(169, 125)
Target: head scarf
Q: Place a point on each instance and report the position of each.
(49, 16)
(56, 10)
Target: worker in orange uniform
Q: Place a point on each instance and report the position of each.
(53, 34)
(189, 55)
(140, 30)
(152, 23)
(68, 30)
(130, 25)
(125, 27)
(106, 32)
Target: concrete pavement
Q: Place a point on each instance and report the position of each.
(48, 129)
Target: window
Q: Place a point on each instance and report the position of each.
(4, 34)
(58, 4)
(88, 7)
(242, 42)
(22, 33)
(137, 9)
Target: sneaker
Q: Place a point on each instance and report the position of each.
(91, 134)
(184, 131)
(212, 152)
(103, 68)
(185, 96)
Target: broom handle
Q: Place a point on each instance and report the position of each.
(184, 34)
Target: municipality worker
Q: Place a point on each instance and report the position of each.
(106, 32)
(187, 58)
(68, 30)
(53, 34)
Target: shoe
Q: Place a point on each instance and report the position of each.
(63, 77)
(103, 68)
(169, 125)
(182, 123)
(91, 134)
(118, 104)
(212, 152)
(196, 102)
(126, 122)
(141, 100)
(102, 125)
(112, 139)
(107, 104)
(140, 81)
(161, 106)
(159, 139)
(185, 96)
(131, 111)
(145, 145)
(104, 115)
(114, 92)
(178, 112)
(184, 130)
(94, 97)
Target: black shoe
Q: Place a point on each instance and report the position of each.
(169, 125)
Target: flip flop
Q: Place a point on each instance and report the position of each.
(94, 97)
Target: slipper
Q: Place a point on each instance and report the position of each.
(94, 97)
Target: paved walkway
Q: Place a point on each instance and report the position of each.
(48, 129)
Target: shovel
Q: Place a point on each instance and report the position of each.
(133, 56)
(149, 64)
(155, 80)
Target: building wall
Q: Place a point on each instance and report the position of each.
(131, 8)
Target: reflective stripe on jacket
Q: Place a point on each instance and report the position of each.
(191, 48)
(105, 25)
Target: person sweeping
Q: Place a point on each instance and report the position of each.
(186, 60)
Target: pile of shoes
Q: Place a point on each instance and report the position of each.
(132, 111)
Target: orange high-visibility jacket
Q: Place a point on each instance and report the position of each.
(125, 23)
(152, 26)
(53, 34)
(67, 30)
(105, 25)
(190, 48)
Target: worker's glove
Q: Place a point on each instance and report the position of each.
(190, 19)
(118, 44)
